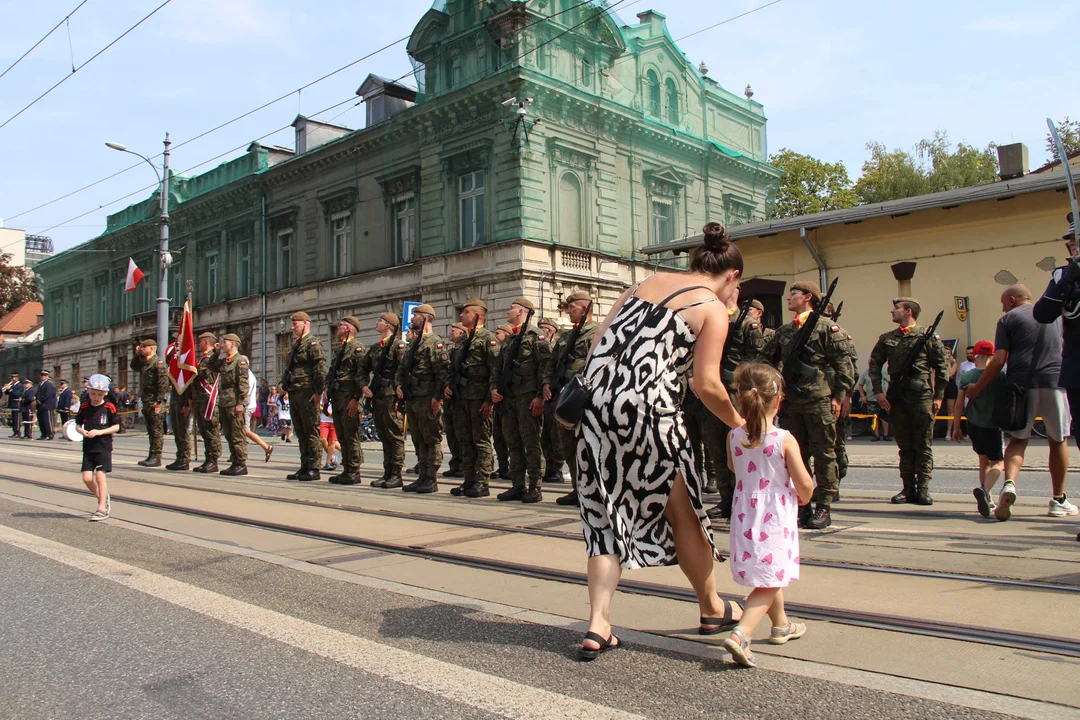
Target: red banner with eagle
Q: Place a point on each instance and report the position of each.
(184, 355)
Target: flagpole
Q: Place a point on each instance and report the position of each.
(193, 430)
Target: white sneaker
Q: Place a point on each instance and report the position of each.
(1061, 509)
(1003, 511)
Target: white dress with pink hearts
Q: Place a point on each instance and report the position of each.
(764, 513)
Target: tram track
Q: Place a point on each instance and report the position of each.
(1001, 637)
(1023, 584)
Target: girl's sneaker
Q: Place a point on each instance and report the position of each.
(982, 498)
(1003, 511)
(1061, 509)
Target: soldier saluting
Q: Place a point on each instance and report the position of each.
(153, 387)
(345, 394)
(303, 380)
(568, 359)
(209, 427)
(232, 369)
(468, 390)
(813, 397)
(377, 372)
(914, 396)
(421, 379)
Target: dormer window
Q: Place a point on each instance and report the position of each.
(653, 83)
(672, 102)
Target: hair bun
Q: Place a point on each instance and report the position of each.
(716, 237)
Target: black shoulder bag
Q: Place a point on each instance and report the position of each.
(1011, 404)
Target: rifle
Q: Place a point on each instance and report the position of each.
(456, 381)
(836, 313)
(331, 375)
(287, 378)
(562, 374)
(507, 377)
(727, 366)
(795, 370)
(378, 382)
(903, 380)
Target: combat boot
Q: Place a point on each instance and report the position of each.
(805, 514)
(378, 482)
(554, 476)
(459, 490)
(427, 485)
(411, 487)
(711, 488)
(821, 519)
(515, 493)
(922, 496)
(394, 481)
(177, 465)
(533, 495)
(152, 461)
(339, 478)
(477, 490)
(907, 495)
(296, 475)
(308, 476)
(236, 469)
(452, 473)
(571, 498)
(352, 478)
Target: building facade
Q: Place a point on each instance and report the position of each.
(546, 144)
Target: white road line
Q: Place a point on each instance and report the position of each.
(452, 682)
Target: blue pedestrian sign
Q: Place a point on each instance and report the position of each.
(407, 313)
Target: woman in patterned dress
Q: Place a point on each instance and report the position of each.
(639, 488)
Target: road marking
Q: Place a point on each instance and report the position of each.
(453, 682)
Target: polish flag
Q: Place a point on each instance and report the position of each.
(182, 369)
(133, 277)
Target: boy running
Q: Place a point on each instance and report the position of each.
(97, 421)
(986, 440)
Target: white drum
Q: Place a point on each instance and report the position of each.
(71, 431)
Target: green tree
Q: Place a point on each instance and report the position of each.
(17, 285)
(1069, 131)
(935, 166)
(889, 175)
(809, 185)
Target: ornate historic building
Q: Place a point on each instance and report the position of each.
(614, 141)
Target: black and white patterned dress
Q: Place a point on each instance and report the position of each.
(632, 440)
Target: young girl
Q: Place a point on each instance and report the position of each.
(771, 481)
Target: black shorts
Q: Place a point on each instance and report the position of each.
(97, 461)
(987, 442)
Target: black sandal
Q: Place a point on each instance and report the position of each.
(585, 653)
(712, 626)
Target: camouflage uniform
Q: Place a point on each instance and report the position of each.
(843, 423)
(233, 390)
(912, 416)
(453, 442)
(388, 421)
(210, 430)
(807, 409)
(422, 376)
(181, 427)
(744, 340)
(479, 365)
(523, 364)
(343, 389)
(570, 360)
(153, 388)
(694, 418)
(308, 374)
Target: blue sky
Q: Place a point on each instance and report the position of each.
(832, 75)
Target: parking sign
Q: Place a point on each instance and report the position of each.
(406, 314)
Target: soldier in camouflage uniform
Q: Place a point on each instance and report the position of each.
(549, 438)
(153, 388)
(756, 334)
(694, 413)
(843, 423)
(232, 370)
(344, 392)
(471, 404)
(421, 379)
(458, 333)
(918, 397)
(377, 373)
(305, 376)
(180, 418)
(568, 359)
(502, 453)
(209, 429)
(522, 364)
(810, 407)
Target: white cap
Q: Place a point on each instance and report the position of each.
(98, 382)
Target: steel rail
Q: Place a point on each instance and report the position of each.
(962, 632)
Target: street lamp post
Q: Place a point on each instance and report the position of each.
(165, 259)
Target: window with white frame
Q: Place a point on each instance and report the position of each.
(404, 209)
(212, 272)
(284, 258)
(663, 216)
(471, 208)
(243, 269)
(341, 231)
(76, 313)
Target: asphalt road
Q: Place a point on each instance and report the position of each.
(87, 638)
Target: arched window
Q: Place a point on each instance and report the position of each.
(653, 83)
(672, 102)
(570, 220)
(586, 71)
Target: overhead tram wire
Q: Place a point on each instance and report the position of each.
(612, 7)
(92, 58)
(44, 38)
(228, 122)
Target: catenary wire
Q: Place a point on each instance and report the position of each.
(44, 38)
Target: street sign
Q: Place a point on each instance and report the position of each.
(961, 308)
(406, 315)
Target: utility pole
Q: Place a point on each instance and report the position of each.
(165, 257)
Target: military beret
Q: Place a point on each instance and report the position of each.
(426, 309)
(549, 322)
(389, 317)
(460, 326)
(208, 336)
(807, 286)
(756, 304)
(910, 301)
(525, 303)
(301, 316)
(476, 303)
(352, 321)
(232, 337)
(506, 329)
(578, 295)
(149, 342)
